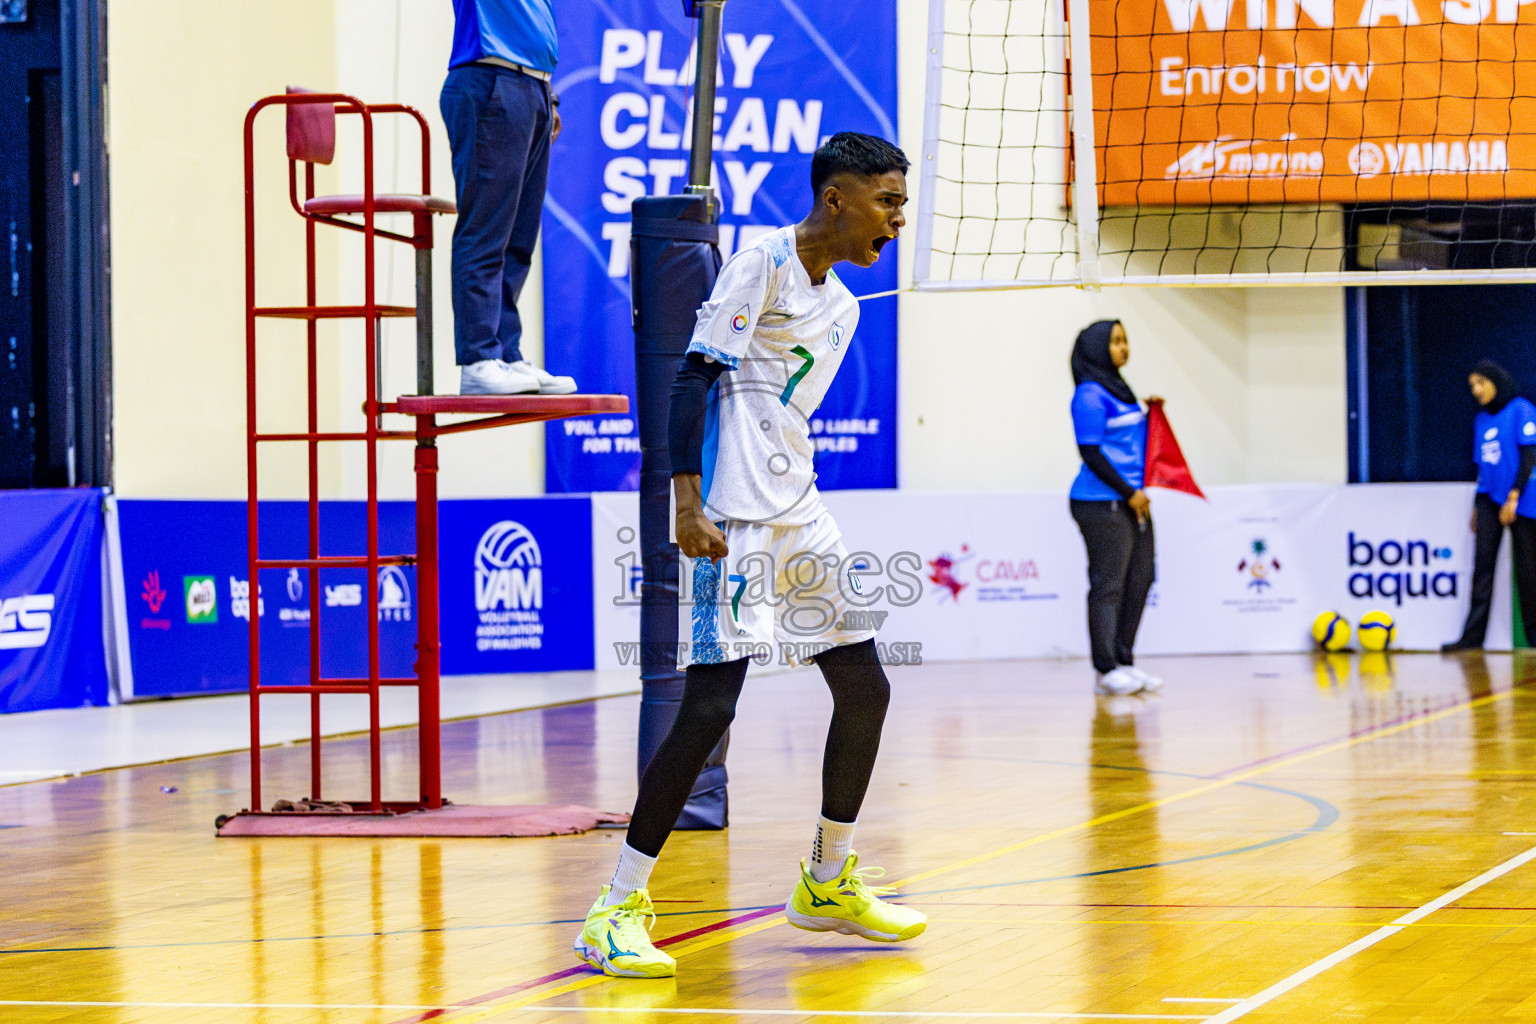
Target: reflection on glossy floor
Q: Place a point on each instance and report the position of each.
(1236, 848)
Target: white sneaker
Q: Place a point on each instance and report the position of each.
(1148, 682)
(549, 383)
(494, 377)
(1118, 683)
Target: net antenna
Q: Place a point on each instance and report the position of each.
(1226, 142)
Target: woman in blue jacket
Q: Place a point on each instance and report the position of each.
(1109, 505)
(1504, 448)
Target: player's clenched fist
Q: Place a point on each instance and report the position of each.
(698, 537)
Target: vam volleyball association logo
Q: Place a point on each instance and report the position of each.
(509, 589)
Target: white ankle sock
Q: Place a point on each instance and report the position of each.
(633, 872)
(833, 843)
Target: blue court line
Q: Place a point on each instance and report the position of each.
(1327, 815)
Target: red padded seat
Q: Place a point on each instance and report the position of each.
(323, 205)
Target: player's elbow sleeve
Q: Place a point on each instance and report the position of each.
(685, 419)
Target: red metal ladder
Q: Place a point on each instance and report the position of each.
(311, 134)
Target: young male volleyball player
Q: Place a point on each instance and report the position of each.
(773, 333)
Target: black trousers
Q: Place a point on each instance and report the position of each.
(1121, 570)
(1490, 532)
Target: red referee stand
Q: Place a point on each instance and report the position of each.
(311, 140)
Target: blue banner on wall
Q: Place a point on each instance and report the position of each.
(516, 585)
(189, 603)
(791, 73)
(51, 649)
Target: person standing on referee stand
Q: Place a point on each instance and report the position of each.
(1109, 505)
(1504, 448)
(769, 568)
(501, 116)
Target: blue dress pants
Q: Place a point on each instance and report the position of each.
(499, 123)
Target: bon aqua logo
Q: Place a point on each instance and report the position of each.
(1393, 570)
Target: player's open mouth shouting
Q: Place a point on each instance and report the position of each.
(871, 209)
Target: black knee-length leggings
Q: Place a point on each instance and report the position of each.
(860, 696)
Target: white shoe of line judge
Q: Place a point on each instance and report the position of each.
(495, 377)
(1118, 683)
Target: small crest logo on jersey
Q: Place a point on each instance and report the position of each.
(739, 321)
(836, 335)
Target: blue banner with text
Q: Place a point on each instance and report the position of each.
(791, 74)
(52, 653)
(506, 606)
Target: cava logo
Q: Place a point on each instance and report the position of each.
(202, 599)
(509, 570)
(25, 621)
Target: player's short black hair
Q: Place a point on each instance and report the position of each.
(854, 153)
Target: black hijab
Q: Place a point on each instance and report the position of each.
(1091, 361)
(1506, 388)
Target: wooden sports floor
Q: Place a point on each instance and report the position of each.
(1274, 838)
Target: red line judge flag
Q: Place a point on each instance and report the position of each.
(1165, 462)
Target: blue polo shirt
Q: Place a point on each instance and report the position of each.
(1498, 438)
(1119, 429)
(520, 31)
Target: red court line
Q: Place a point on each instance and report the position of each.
(570, 972)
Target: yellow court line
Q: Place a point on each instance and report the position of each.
(726, 935)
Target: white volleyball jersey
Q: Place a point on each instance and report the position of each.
(783, 339)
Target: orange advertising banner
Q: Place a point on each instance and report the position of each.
(1306, 101)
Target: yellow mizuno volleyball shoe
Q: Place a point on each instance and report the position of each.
(848, 905)
(617, 939)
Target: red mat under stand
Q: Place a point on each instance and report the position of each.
(451, 820)
(311, 139)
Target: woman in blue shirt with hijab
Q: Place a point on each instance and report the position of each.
(1504, 448)
(1109, 505)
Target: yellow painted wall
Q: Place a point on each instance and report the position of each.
(181, 78)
